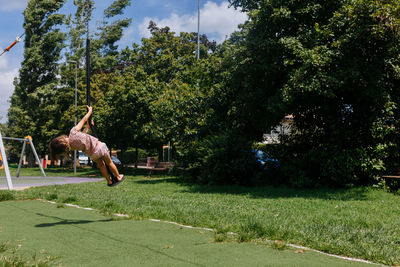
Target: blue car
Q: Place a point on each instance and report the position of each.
(265, 160)
(115, 160)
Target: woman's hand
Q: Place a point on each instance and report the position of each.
(90, 110)
(82, 122)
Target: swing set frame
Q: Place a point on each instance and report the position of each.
(26, 140)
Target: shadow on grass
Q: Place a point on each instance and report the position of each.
(66, 221)
(341, 194)
(76, 223)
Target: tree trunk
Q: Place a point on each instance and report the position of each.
(122, 156)
(31, 158)
(160, 153)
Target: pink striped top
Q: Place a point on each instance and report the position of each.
(82, 141)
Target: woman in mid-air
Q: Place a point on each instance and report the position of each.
(91, 146)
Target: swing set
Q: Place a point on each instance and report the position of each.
(28, 139)
(4, 162)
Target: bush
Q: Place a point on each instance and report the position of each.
(222, 159)
(6, 195)
(129, 156)
(330, 165)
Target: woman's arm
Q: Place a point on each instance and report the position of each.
(88, 126)
(85, 118)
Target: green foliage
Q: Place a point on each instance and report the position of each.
(57, 97)
(77, 26)
(6, 195)
(159, 92)
(222, 159)
(334, 66)
(111, 32)
(3, 127)
(123, 109)
(31, 100)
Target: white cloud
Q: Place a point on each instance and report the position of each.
(6, 5)
(6, 86)
(128, 38)
(4, 63)
(217, 21)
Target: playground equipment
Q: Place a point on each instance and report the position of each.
(3, 155)
(26, 140)
(92, 128)
(18, 39)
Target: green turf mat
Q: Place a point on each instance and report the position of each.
(86, 238)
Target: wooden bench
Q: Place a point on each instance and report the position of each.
(390, 177)
(161, 166)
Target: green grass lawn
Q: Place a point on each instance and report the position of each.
(357, 222)
(44, 234)
(84, 171)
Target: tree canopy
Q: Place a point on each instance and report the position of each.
(333, 65)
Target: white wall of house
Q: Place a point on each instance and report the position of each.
(283, 128)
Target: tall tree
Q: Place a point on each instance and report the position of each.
(78, 27)
(180, 83)
(37, 76)
(334, 66)
(104, 50)
(157, 93)
(108, 34)
(111, 32)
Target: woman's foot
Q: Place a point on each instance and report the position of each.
(116, 181)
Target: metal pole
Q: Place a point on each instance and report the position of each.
(36, 156)
(88, 72)
(21, 158)
(76, 103)
(76, 107)
(169, 151)
(88, 81)
(13, 138)
(198, 29)
(198, 39)
(5, 163)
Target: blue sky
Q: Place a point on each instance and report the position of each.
(217, 21)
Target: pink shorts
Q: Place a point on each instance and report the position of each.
(100, 151)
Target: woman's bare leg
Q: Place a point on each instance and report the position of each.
(113, 168)
(102, 166)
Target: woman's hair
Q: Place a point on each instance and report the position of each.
(58, 146)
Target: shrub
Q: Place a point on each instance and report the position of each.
(222, 159)
(6, 195)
